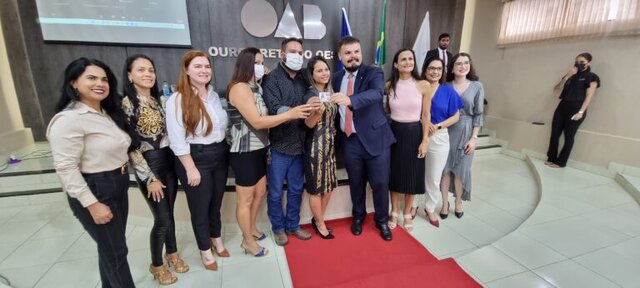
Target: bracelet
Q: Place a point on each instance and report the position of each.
(152, 179)
(580, 112)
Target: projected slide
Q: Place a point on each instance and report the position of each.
(144, 22)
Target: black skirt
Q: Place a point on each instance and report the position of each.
(407, 170)
(249, 167)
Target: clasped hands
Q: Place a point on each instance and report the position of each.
(317, 106)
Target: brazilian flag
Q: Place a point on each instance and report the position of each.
(381, 45)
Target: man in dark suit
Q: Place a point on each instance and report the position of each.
(440, 52)
(367, 137)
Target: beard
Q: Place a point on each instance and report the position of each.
(352, 68)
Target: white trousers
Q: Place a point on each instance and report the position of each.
(436, 159)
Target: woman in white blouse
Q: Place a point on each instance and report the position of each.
(196, 124)
(89, 140)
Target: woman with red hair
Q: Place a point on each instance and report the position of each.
(196, 124)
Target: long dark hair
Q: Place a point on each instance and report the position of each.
(472, 71)
(395, 73)
(312, 63)
(586, 55)
(244, 69)
(111, 104)
(128, 89)
(426, 65)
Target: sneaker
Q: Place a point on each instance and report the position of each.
(281, 238)
(300, 234)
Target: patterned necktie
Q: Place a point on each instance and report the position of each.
(348, 121)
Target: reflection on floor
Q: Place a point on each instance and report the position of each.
(571, 229)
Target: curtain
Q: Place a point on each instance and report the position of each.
(535, 20)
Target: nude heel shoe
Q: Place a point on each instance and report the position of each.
(393, 220)
(407, 226)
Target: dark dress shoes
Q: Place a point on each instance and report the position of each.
(385, 232)
(356, 226)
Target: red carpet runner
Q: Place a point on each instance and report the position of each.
(369, 261)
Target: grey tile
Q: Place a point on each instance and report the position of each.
(570, 274)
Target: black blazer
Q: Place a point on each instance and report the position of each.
(369, 118)
(435, 53)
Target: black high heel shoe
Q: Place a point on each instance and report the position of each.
(313, 222)
(458, 214)
(328, 236)
(444, 216)
(315, 227)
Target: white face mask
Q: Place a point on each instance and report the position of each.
(258, 70)
(294, 61)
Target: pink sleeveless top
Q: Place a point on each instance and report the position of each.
(405, 102)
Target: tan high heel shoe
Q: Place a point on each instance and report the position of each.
(211, 266)
(178, 264)
(163, 275)
(224, 253)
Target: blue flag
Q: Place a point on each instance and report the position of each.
(345, 31)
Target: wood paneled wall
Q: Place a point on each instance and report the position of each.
(37, 66)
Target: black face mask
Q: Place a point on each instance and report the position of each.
(580, 66)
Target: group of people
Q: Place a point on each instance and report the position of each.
(280, 125)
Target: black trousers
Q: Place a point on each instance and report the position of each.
(205, 200)
(161, 162)
(562, 123)
(110, 188)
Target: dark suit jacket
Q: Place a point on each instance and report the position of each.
(436, 53)
(372, 126)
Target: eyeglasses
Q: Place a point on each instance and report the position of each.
(434, 69)
(462, 63)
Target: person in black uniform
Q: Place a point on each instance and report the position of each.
(575, 90)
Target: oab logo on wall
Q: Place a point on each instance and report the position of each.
(259, 19)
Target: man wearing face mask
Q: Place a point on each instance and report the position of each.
(285, 88)
(575, 90)
(366, 134)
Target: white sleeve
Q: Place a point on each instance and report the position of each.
(175, 128)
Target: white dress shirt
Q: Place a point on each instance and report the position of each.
(443, 56)
(178, 139)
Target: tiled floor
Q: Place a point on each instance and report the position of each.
(576, 229)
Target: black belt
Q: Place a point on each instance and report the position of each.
(200, 147)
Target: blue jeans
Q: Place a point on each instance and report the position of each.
(283, 167)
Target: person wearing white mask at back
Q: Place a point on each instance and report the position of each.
(249, 122)
(284, 88)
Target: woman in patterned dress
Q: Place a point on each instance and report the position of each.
(319, 157)
(153, 162)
